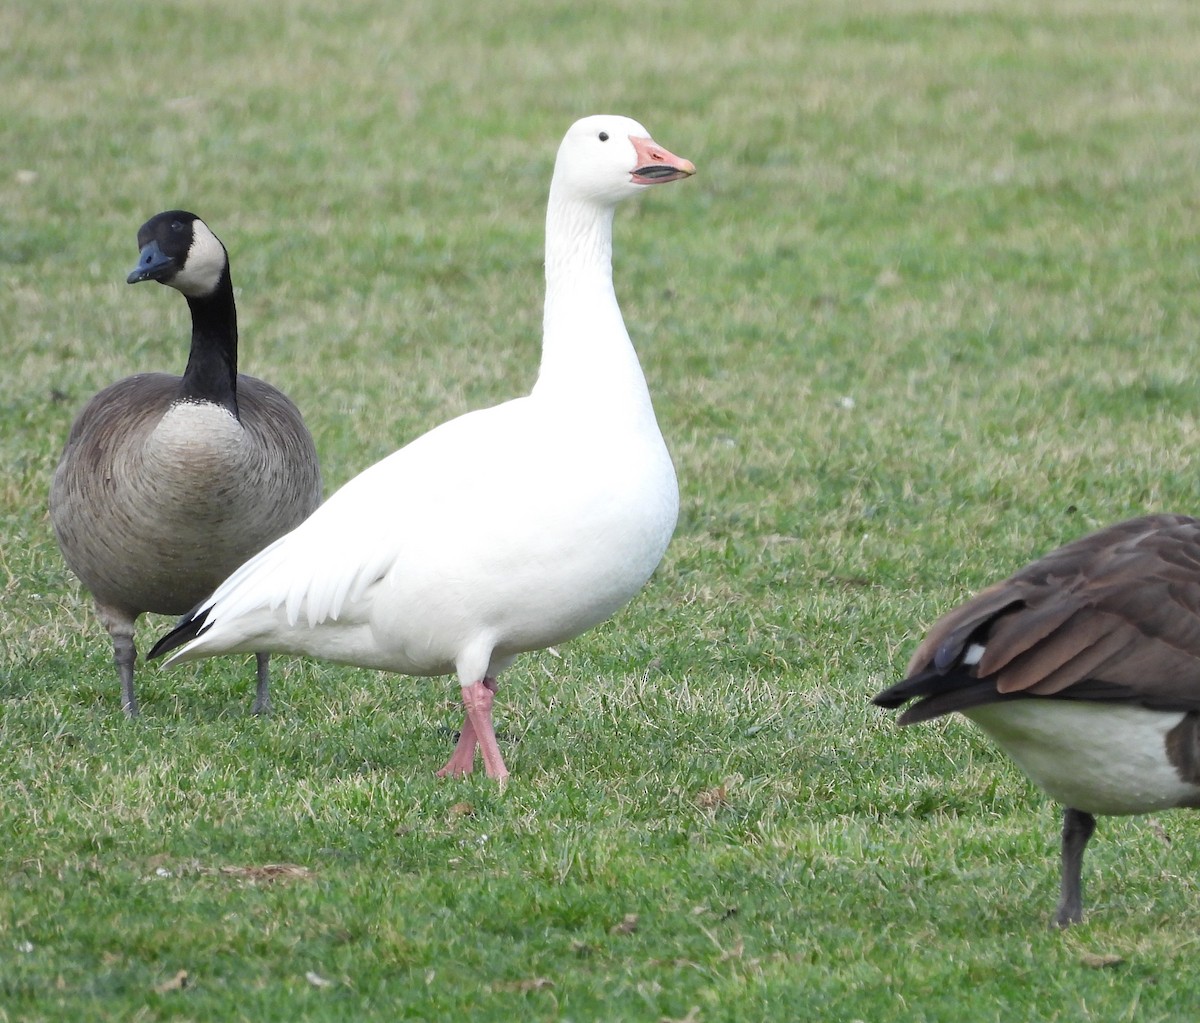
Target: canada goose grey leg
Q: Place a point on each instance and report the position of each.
(120, 629)
(1077, 829)
(262, 694)
(125, 654)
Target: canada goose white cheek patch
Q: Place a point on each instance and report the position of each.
(204, 265)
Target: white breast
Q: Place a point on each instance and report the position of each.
(190, 427)
(1099, 758)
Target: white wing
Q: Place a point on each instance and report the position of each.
(411, 500)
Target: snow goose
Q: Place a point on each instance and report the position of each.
(169, 483)
(508, 529)
(1085, 668)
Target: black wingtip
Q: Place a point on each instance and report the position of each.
(891, 698)
(919, 683)
(186, 629)
(924, 686)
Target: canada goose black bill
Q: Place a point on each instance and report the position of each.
(153, 264)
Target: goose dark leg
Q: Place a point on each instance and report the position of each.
(262, 694)
(120, 630)
(124, 655)
(1077, 829)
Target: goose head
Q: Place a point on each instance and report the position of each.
(180, 250)
(607, 158)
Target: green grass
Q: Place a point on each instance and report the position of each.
(929, 308)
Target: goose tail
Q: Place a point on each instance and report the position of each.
(186, 629)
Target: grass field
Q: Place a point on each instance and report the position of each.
(928, 309)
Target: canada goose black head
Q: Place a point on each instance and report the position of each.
(180, 250)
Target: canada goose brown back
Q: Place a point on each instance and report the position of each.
(1084, 667)
(168, 483)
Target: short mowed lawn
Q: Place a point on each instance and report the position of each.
(928, 309)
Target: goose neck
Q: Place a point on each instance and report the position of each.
(211, 373)
(588, 364)
(578, 244)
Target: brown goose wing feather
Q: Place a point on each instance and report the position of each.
(947, 640)
(1037, 633)
(1024, 658)
(1114, 615)
(1102, 643)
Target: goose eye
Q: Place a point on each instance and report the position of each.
(176, 225)
(604, 136)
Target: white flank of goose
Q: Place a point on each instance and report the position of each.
(1085, 668)
(508, 529)
(169, 483)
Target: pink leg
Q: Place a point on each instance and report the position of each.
(462, 760)
(477, 731)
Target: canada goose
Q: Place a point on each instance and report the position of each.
(168, 483)
(508, 529)
(1085, 668)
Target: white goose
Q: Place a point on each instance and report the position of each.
(508, 529)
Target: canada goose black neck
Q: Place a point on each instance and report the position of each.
(211, 373)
